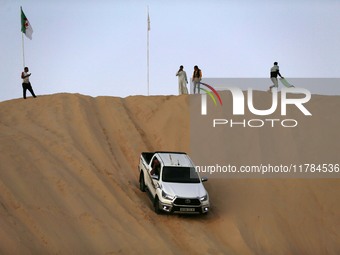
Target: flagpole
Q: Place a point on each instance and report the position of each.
(148, 59)
(22, 42)
(23, 49)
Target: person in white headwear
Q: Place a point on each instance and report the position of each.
(182, 81)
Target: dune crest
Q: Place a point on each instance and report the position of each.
(69, 185)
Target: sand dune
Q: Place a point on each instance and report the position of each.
(69, 185)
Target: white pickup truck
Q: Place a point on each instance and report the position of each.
(173, 183)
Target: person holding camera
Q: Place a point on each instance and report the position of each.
(26, 85)
(182, 81)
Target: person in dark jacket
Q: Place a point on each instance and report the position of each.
(196, 78)
(274, 72)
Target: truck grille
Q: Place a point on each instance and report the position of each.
(187, 201)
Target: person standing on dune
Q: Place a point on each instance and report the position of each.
(26, 85)
(182, 81)
(196, 78)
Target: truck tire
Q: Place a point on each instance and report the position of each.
(141, 182)
(156, 206)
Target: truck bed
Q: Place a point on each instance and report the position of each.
(147, 156)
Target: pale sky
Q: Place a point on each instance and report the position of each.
(98, 48)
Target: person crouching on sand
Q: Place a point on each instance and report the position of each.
(274, 72)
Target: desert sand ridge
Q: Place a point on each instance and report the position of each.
(69, 185)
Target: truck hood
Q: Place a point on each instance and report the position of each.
(187, 190)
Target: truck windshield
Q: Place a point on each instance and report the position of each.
(180, 174)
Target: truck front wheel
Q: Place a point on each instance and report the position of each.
(156, 205)
(141, 182)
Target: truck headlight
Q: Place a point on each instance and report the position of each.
(204, 198)
(167, 196)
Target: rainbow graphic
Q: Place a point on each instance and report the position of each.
(211, 94)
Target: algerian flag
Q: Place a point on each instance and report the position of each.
(26, 27)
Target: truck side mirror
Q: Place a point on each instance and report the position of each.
(204, 179)
(155, 177)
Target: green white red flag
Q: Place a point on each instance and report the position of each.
(26, 27)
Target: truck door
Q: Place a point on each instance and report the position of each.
(153, 174)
